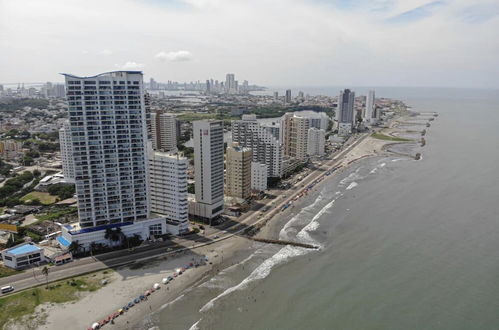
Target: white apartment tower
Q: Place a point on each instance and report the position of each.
(316, 142)
(168, 187)
(208, 169)
(370, 115)
(68, 167)
(164, 131)
(108, 130)
(230, 84)
(238, 171)
(258, 176)
(265, 146)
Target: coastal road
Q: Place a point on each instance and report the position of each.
(32, 277)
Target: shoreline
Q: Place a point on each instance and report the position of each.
(128, 283)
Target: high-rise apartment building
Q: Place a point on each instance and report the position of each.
(316, 142)
(108, 134)
(266, 147)
(208, 169)
(295, 136)
(230, 84)
(168, 187)
(258, 176)
(370, 114)
(164, 131)
(287, 98)
(345, 114)
(318, 120)
(238, 171)
(67, 160)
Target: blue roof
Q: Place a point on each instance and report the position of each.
(22, 249)
(64, 242)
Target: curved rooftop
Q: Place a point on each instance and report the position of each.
(101, 74)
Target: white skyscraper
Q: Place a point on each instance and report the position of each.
(370, 114)
(230, 84)
(168, 187)
(163, 131)
(295, 136)
(316, 142)
(208, 169)
(108, 128)
(68, 167)
(265, 146)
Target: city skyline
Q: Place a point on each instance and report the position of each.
(325, 43)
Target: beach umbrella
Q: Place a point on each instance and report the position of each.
(156, 286)
(95, 325)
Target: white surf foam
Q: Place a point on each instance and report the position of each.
(304, 234)
(195, 325)
(173, 301)
(287, 231)
(259, 273)
(352, 185)
(382, 165)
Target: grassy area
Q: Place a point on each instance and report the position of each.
(191, 116)
(389, 138)
(16, 306)
(56, 214)
(6, 271)
(1, 210)
(44, 197)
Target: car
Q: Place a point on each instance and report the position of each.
(216, 236)
(7, 289)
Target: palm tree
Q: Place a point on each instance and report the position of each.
(109, 234)
(45, 271)
(74, 247)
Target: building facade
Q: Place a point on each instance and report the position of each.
(23, 256)
(316, 142)
(258, 176)
(345, 114)
(295, 136)
(238, 171)
(265, 146)
(371, 115)
(67, 160)
(208, 169)
(164, 131)
(109, 140)
(168, 187)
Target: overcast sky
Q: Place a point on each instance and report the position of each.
(268, 42)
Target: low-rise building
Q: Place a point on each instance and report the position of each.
(23, 256)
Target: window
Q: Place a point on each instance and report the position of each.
(156, 229)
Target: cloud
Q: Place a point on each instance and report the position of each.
(417, 13)
(106, 52)
(130, 65)
(177, 56)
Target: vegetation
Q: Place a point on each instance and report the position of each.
(192, 116)
(187, 151)
(13, 186)
(42, 197)
(5, 168)
(389, 138)
(14, 104)
(16, 306)
(63, 191)
(6, 271)
(56, 214)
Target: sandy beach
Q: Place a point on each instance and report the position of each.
(127, 283)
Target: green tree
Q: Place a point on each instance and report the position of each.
(45, 272)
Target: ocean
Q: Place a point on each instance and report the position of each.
(405, 244)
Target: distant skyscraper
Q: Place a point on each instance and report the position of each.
(208, 86)
(108, 128)
(238, 171)
(345, 113)
(370, 112)
(287, 99)
(168, 187)
(208, 169)
(230, 84)
(276, 96)
(316, 142)
(266, 147)
(164, 131)
(66, 145)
